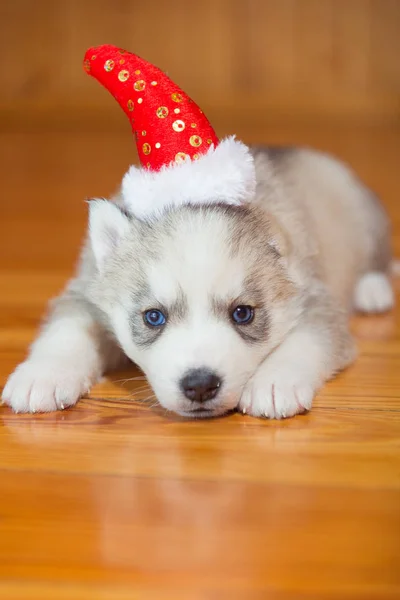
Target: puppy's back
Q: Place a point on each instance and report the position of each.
(336, 224)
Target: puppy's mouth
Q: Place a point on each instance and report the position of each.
(201, 410)
(203, 413)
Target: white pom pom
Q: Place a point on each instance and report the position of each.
(224, 174)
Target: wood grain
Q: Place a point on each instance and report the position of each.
(256, 58)
(117, 499)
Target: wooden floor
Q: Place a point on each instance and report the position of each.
(117, 499)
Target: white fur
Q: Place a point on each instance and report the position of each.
(374, 293)
(224, 174)
(62, 366)
(285, 383)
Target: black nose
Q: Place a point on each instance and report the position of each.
(200, 385)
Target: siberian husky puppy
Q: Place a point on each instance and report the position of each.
(222, 307)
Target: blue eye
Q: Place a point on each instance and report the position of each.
(243, 314)
(154, 318)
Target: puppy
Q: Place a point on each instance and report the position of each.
(221, 306)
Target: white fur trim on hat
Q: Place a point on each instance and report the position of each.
(224, 174)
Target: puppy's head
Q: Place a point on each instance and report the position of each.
(197, 298)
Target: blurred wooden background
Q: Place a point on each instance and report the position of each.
(252, 58)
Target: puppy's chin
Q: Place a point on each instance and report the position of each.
(204, 413)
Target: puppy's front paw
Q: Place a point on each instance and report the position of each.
(277, 393)
(45, 386)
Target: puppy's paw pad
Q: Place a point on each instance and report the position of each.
(276, 397)
(374, 293)
(37, 386)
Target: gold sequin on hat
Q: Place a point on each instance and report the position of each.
(86, 65)
(176, 97)
(130, 105)
(162, 112)
(109, 65)
(139, 85)
(146, 148)
(180, 157)
(123, 75)
(195, 140)
(178, 125)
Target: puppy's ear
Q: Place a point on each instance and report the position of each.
(278, 238)
(108, 225)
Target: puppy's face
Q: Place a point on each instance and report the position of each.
(196, 299)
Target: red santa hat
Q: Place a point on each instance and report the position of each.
(182, 159)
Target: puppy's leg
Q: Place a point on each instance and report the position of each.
(373, 293)
(69, 356)
(286, 382)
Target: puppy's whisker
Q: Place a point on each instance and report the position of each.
(154, 405)
(151, 397)
(141, 391)
(138, 391)
(141, 378)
